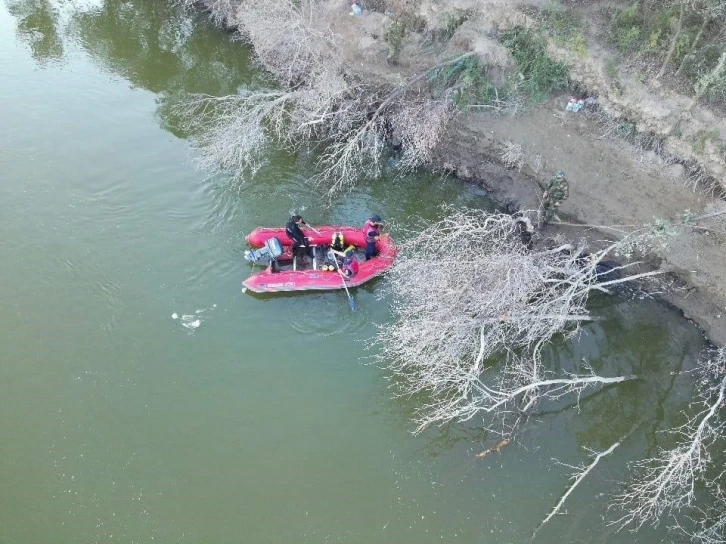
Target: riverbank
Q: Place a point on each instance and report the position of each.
(645, 154)
(612, 184)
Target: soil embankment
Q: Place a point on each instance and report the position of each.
(612, 184)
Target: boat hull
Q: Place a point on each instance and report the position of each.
(315, 279)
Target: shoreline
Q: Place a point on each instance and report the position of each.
(473, 154)
(612, 181)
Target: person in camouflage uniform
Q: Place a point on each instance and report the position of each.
(557, 192)
(394, 36)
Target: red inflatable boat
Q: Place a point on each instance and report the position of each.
(287, 272)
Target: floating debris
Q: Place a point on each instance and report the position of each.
(191, 322)
(497, 448)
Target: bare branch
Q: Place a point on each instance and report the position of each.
(577, 477)
(667, 482)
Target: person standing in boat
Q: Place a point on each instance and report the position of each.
(372, 231)
(295, 233)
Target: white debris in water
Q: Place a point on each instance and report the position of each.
(192, 321)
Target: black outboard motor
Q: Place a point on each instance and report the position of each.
(266, 254)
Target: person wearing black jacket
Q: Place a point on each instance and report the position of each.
(295, 233)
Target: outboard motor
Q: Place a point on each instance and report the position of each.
(266, 254)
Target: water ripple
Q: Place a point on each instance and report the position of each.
(325, 314)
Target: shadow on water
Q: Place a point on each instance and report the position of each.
(164, 49)
(156, 46)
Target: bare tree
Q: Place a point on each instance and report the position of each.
(466, 290)
(709, 10)
(711, 525)
(670, 481)
(420, 124)
(710, 79)
(674, 40)
(359, 149)
(232, 132)
(290, 38)
(322, 105)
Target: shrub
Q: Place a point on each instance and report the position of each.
(701, 137)
(565, 27)
(625, 28)
(465, 82)
(454, 20)
(539, 75)
(611, 68)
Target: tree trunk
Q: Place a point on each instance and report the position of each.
(706, 81)
(674, 41)
(706, 20)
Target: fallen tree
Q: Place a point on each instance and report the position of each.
(468, 339)
(470, 331)
(349, 123)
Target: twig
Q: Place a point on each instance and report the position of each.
(581, 476)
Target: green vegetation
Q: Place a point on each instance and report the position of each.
(682, 37)
(454, 20)
(626, 129)
(611, 68)
(394, 36)
(565, 27)
(625, 28)
(701, 137)
(677, 131)
(539, 75)
(632, 32)
(466, 83)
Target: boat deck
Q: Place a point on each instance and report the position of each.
(301, 261)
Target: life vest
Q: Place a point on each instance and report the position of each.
(370, 230)
(337, 242)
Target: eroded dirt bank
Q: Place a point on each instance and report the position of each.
(612, 184)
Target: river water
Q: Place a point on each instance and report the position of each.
(145, 398)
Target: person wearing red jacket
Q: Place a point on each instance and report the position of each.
(372, 231)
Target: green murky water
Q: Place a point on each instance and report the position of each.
(120, 423)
